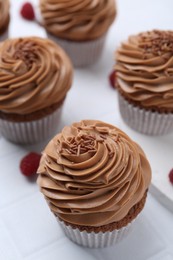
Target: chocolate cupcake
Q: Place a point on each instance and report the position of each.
(95, 181)
(4, 19)
(80, 27)
(144, 67)
(35, 75)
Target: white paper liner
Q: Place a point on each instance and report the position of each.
(145, 121)
(96, 240)
(81, 53)
(4, 36)
(30, 132)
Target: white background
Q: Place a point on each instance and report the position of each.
(27, 228)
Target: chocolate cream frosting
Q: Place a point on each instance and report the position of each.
(92, 174)
(35, 73)
(4, 15)
(145, 70)
(78, 20)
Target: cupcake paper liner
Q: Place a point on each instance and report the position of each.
(145, 121)
(96, 240)
(30, 132)
(81, 53)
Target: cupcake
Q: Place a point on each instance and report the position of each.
(4, 21)
(80, 27)
(35, 75)
(95, 181)
(144, 69)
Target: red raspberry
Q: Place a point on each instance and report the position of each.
(29, 164)
(27, 11)
(112, 79)
(171, 176)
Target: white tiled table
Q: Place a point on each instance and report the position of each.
(27, 229)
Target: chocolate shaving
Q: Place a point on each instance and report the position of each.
(25, 51)
(156, 42)
(79, 145)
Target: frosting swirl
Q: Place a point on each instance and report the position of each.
(78, 20)
(35, 73)
(145, 69)
(92, 174)
(4, 14)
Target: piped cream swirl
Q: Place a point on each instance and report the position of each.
(4, 14)
(145, 69)
(78, 20)
(35, 73)
(92, 174)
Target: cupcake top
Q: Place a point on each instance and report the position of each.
(145, 70)
(4, 15)
(77, 20)
(92, 174)
(35, 73)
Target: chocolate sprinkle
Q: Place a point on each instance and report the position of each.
(156, 42)
(25, 52)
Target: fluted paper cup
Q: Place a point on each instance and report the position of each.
(81, 53)
(96, 240)
(30, 132)
(145, 121)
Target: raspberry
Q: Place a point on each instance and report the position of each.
(27, 11)
(29, 164)
(171, 176)
(112, 79)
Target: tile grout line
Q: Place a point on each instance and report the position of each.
(158, 254)
(17, 249)
(18, 201)
(10, 239)
(42, 249)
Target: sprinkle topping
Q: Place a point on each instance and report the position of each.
(26, 51)
(156, 42)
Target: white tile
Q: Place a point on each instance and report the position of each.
(13, 185)
(158, 149)
(89, 99)
(111, 118)
(8, 250)
(162, 256)
(7, 148)
(63, 250)
(31, 225)
(141, 243)
(28, 230)
(162, 220)
(16, 30)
